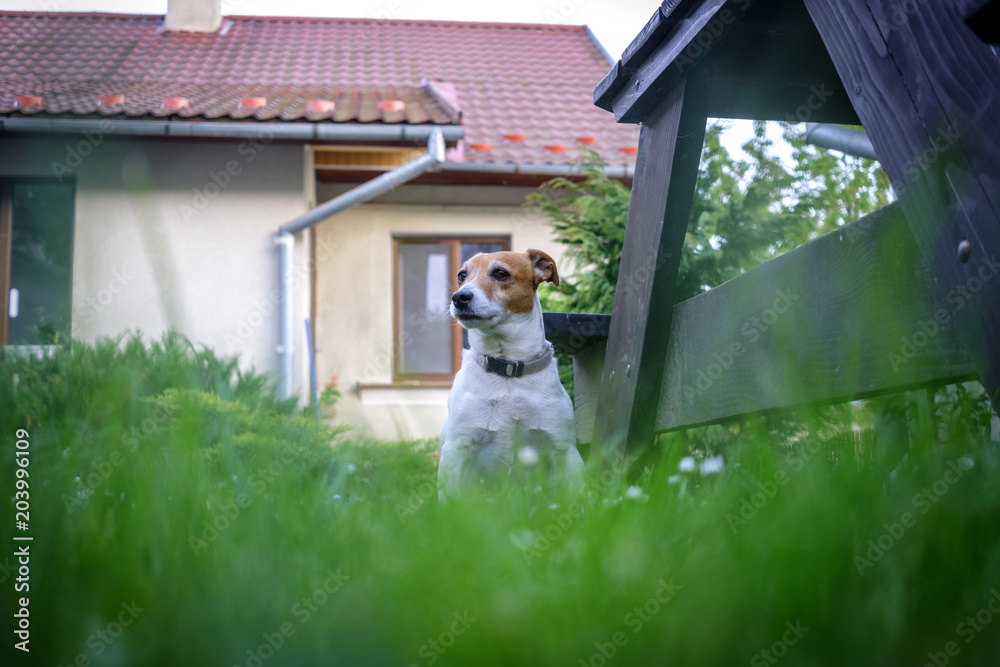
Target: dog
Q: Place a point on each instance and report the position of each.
(507, 401)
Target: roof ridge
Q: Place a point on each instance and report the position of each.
(317, 19)
(87, 14)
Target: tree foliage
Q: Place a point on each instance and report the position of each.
(743, 212)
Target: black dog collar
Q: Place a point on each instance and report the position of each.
(515, 369)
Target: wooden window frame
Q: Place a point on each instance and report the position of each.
(455, 241)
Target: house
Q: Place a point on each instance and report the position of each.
(147, 164)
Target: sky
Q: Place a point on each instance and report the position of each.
(614, 22)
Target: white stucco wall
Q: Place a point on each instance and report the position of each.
(177, 234)
(354, 295)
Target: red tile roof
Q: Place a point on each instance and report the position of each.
(150, 99)
(499, 80)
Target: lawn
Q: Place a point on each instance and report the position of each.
(182, 515)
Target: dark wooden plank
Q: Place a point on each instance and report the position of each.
(983, 17)
(773, 66)
(927, 90)
(767, 62)
(849, 315)
(663, 20)
(613, 81)
(572, 332)
(670, 146)
(671, 61)
(587, 367)
(669, 15)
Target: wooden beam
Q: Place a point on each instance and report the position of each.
(927, 90)
(587, 367)
(849, 315)
(668, 66)
(766, 59)
(670, 145)
(573, 332)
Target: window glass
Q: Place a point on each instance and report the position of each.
(424, 296)
(41, 263)
(471, 248)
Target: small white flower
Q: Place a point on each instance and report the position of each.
(527, 455)
(711, 465)
(523, 539)
(673, 479)
(967, 462)
(350, 468)
(633, 492)
(686, 464)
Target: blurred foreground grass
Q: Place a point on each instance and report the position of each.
(182, 515)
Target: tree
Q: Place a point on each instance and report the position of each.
(743, 213)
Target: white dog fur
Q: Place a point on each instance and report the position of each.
(490, 415)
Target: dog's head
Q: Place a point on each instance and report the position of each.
(494, 285)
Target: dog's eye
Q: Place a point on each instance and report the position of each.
(461, 277)
(501, 274)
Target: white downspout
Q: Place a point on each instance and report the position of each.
(285, 239)
(286, 317)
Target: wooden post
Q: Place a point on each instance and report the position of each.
(666, 171)
(927, 90)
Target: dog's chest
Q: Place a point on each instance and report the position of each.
(511, 411)
(498, 406)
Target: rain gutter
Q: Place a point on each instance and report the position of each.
(305, 131)
(843, 139)
(285, 240)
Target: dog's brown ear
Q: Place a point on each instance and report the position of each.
(544, 266)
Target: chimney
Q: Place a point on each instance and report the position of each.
(194, 15)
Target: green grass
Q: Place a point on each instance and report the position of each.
(526, 575)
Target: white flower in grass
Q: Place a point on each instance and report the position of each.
(673, 479)
(967, 462)
(686, 464)
(633, 492)
(527, 455)
(712, 465)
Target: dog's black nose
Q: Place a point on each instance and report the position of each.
(461, 298)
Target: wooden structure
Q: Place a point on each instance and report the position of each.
(906, 297)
